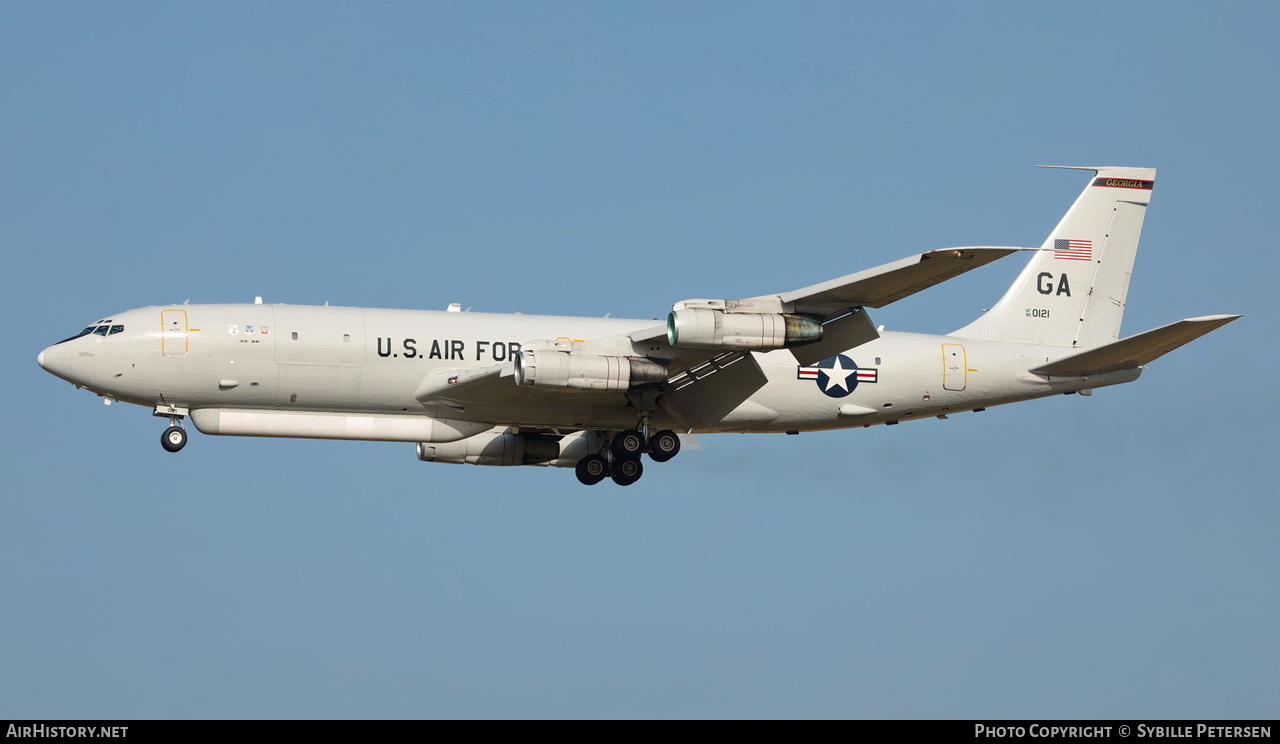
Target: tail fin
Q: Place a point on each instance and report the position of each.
(1073, 290)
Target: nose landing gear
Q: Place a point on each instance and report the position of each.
(174, 438)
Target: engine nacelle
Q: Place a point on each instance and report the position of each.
(549, 368)
(701, 328)
(575, 446)
(497, 448)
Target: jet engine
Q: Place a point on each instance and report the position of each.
(549, 368)
(708, 328)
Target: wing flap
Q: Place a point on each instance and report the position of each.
(703, 398)
(1134, 351)
(843, 333)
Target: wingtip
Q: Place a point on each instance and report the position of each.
(1224, 319)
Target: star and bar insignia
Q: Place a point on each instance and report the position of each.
(838, 376)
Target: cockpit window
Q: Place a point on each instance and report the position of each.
(101, 328)
(85, 332)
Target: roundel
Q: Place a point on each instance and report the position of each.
(837, 376)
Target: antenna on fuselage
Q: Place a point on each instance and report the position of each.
(257, 300)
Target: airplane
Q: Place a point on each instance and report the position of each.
(597, 394)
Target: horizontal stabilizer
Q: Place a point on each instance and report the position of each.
(1134, 351)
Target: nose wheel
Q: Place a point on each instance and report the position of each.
(174, 438)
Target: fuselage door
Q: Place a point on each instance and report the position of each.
(174, 336)
(954, 367)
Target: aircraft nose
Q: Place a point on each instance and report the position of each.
(56, 360)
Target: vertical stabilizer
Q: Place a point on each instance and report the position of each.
(1072, 291)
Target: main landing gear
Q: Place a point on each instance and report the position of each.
(664, 445)
(620, 460)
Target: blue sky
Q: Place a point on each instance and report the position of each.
(1112, 556)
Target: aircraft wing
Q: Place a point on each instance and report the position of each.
(838, 303)
(891, 282)
(456, 386)
(693, 398)
(490, 393)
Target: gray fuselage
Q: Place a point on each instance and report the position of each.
(347, 360)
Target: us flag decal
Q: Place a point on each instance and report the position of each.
(1073, 250)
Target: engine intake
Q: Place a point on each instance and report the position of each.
(548, 368)
(700, 328)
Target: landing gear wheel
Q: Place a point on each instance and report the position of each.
(628, 445)
(626, 472)
(174, 438)
(591, 470)
(664, 445)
